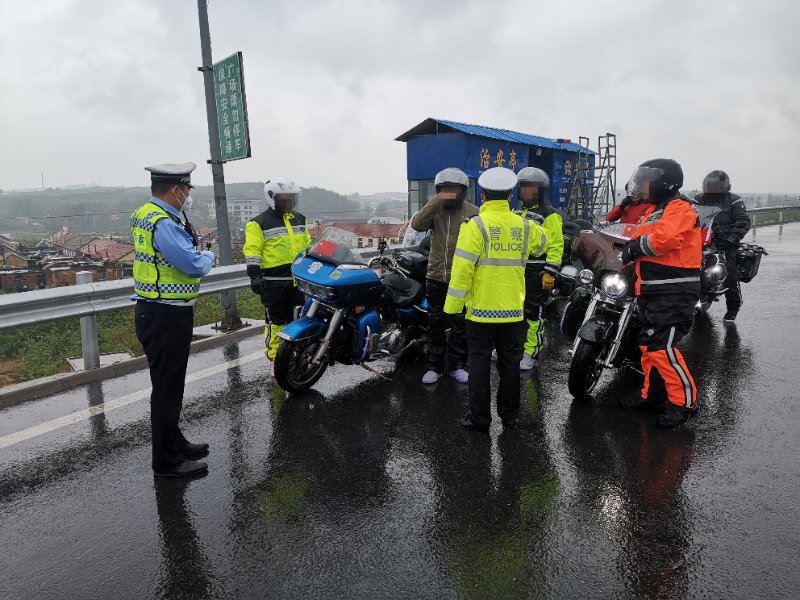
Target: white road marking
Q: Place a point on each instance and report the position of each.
(87, 413)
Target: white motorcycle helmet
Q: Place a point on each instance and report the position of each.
(452, 176)
(283, 189)
(535, 177)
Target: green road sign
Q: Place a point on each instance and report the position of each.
(234, 132)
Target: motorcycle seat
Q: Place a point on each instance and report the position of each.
(401, 291)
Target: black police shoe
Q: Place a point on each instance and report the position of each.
(634, 403)
(467, 423)
(186, 468)
(189, 449)
(730, 316)
(673, 416)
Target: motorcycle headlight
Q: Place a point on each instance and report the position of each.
(586, 277)
(614, 285)
(322, 292)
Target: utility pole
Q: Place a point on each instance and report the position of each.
(231, 320)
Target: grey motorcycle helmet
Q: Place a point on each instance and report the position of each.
(717, 182)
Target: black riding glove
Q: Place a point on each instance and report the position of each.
(256, 281)
(631, 252)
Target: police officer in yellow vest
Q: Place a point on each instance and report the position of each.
(271, 242)
(167, 268)
(489, 277)
(541, 271)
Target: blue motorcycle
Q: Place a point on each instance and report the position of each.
(352, 315)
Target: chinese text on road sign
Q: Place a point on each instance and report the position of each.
(234, 133)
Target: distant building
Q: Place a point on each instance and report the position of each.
(240, 210)
(368, 235)
(436, 144)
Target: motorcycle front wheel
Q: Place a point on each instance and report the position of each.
(585, 369)
(293, 369)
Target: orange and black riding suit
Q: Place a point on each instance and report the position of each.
(668, 288)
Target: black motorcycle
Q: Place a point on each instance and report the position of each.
(715, 268)
(601, 316)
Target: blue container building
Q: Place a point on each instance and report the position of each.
(436, 144)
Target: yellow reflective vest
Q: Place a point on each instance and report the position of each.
(154, 277)
(488, 273)
(553, 224)
(273, 240)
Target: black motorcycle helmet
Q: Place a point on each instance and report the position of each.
(716, 183)
(656, 180)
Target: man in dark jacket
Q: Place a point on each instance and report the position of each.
(443, 215)
(729, 227)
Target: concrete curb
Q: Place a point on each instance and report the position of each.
(45, 386)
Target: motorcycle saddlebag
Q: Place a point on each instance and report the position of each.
(748, 259)
(401, 291)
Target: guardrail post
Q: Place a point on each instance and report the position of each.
(755, 220)
(780, 223)
(89, 339)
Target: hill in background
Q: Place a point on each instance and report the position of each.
(95, 209)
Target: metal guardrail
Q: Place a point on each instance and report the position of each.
(771, 209)
(86, 300)
(75, 301)
(754, 212)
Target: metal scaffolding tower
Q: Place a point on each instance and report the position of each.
(605, 175)
(592, 188)
(580, 187)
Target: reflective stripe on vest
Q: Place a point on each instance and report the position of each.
(501, 262)
(154, 276)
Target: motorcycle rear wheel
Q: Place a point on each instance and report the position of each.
(293, 369)
(585, 369)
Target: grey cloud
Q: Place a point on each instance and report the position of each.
(330, 84)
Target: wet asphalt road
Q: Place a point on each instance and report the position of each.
(365, 488)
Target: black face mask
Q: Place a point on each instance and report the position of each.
(455, 204)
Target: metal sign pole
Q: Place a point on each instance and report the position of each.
(231, 319)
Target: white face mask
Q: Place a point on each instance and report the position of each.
(188, 201)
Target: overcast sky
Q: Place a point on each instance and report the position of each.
(94, 90)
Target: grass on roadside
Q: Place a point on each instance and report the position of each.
(42, 350)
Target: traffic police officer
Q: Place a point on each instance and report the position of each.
(271, 242)
(488, 277)
(540, 271)
(668, 249)
(728, 229)
(167, 268)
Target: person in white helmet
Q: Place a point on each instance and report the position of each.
(272, 241)
(541, 271)
(443, 215)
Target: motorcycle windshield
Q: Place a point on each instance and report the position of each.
(706, 214)
(411, 237)
(620, 231)
(336, 246)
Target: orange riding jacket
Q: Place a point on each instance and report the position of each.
(672, 243)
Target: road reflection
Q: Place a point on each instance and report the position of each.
(185, 571)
